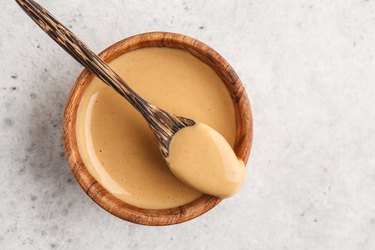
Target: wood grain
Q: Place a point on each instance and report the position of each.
(163, 124)
(243, 137)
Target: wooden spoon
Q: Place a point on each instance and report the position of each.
(163, 124)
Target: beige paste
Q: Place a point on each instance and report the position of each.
(202, 158)
(115, 142)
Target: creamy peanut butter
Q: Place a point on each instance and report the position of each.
(115, 142)
(202, 158)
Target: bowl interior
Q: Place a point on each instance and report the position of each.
(243, 128)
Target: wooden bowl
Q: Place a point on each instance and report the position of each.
(95, 190)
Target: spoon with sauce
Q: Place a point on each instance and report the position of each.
(196, 154)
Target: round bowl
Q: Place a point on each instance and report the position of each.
(105, 199)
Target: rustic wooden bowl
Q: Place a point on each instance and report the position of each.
(95, 190)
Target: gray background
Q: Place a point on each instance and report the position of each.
(308, 67)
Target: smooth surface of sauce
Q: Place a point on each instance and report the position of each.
(202, 158)
(115, 142)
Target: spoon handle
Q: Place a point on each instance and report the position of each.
(163, 124)
(82, 53)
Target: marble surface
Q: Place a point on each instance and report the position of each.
(309, 71)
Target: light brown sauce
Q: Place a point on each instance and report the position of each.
(202, 158)
(115, 142)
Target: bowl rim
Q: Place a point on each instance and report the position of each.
(244, 127)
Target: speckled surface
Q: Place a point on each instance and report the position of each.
(309, 71)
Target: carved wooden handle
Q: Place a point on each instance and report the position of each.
(79, 50)
(163, 124)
